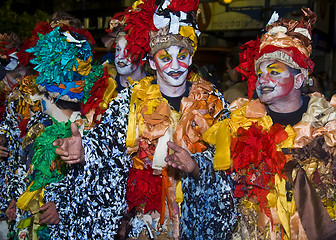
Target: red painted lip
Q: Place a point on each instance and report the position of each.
(266, 89)
(175, 74)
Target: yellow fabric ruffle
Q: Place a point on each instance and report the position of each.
(145, 99)
(189, 32)
(284, 208)
(109, 93)
(26, 197)
(84, 67)
(179, 193)
(220, 133)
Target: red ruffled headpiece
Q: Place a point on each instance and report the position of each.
(250, 52)
(294, 53)
(183, 5)
(25, 57)
(136, 23)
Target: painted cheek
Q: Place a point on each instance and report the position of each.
(287, 80)
(183, 64)
(166, 66)
(288, 84)
(285, 87)
(268, 78)
(158, 68)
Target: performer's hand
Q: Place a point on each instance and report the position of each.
(182, 160)
(50, 215)
(70, 149)
(3, 149)
(11, 211)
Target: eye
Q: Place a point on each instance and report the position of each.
(165, 59)
(274, 72)
(182, 57)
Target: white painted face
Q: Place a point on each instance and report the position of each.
(122, 60)
(275, 81)
(172, 65)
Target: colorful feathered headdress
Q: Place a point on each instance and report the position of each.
(287, 41)
(63, 58)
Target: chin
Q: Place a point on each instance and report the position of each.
(177, 84)
(265, 99)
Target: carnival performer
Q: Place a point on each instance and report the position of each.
(282, 144)
(15, 111)
(127, 67)
(137, 129)
(63, 56)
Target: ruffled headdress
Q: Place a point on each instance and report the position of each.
(63, 58)
(176, 24)
(134, 23)
(287, 41)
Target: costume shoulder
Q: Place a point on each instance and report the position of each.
(204, 107)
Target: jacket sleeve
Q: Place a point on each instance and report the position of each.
(209, 209)
(97, 189)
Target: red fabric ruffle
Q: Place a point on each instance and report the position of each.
(96, 96)
(183, 5)
(250, 52)
(256, 161)
(296, 55)
(144, 190)
(25, 57)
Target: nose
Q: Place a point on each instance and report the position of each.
(175, 64)
(262, 78)
(122, 54)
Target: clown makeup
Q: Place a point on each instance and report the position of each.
(172, 65)
(275, 82)
(122, 61)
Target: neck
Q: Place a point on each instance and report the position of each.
(137, 75)
(291, 103)
(172, 91)
(61, 115)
